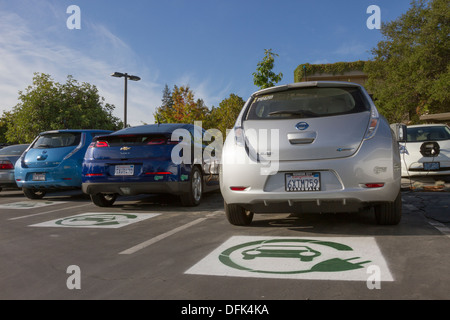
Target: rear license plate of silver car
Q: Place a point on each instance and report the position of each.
(302, 181)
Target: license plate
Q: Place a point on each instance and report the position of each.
(124, 170)
(431, 166)
(38, 176)
(302, 181)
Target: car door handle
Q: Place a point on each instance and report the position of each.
(302, 137)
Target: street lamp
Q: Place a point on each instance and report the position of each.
(126, 76)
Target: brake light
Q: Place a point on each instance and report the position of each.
(101, 144)
(239, 136)
(6, 165)
(156, 141)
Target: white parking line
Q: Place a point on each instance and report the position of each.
(161, 237)
(46, 212)
(167, 234)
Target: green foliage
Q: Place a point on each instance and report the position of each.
(264, 77)
(224, 117)
(329, 68)
(48, 105)
(410, 73)
(179, 106)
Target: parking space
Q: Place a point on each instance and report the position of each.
(150, 247)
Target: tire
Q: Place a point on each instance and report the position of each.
(237, 215)
(33, 194)
(389, 213)
(194, 194)
(103, 199)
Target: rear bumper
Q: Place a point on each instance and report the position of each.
(7, 179)
(134, 188)
(67, 175)
(343, 181)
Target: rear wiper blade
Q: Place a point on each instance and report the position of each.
(294, 113)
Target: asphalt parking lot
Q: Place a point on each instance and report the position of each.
(151, 248)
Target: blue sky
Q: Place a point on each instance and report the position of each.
(211, 45)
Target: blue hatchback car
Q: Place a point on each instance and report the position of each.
(147, 159)
(53, 161)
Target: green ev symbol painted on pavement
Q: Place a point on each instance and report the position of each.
(97, 220)
(305, 258)
(109, 219)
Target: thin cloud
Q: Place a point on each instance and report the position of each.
(25, 51)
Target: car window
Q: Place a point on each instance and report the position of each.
(307, 103)
(13, 150)
(57, 140)
(432, 133)
(134, 140)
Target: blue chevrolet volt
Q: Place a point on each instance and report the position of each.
(150, 159)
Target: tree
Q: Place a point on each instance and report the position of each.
(166, 107)
(48, 105)
(224, 117)
(181, 107)
(410, 73)
(264, 77)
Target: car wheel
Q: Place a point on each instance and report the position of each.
(195, 191)
(389, 213)
(103, 200)
(237, 215)
(33, 194)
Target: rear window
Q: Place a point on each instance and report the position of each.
(435, 133)
(134, 140)
(307, 103)
(57, 140)
(13, 150)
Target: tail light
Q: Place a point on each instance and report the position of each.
(99, 144)
(373, 124)
(6, 165)
(157, 141)
(239, 136)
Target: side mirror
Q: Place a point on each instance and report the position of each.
(399, 130)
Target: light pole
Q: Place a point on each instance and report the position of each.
(126, 76)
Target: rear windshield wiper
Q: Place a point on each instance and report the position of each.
(43, 146)
(303, 113)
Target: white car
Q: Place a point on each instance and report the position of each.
(311, 147)
(426, 151)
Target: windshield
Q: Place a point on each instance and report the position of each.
(57, 140)
(307, 103)
(432, 133)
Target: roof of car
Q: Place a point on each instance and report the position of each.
(75, 130)
(154, 128)
(427, 125)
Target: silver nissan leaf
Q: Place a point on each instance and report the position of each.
(311, 147)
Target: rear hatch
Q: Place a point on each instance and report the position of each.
(133, 147)
(50, 149)
(307, 123)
